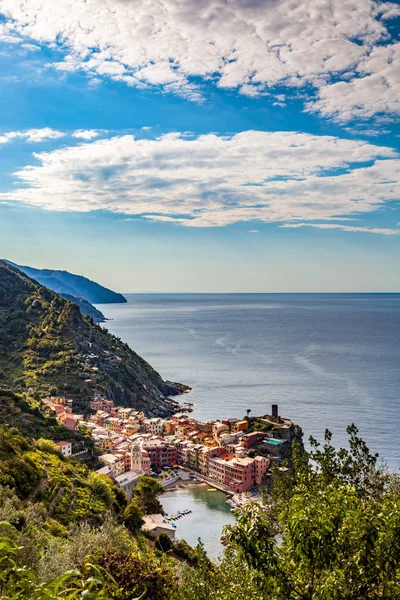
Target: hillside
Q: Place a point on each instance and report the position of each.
(37, 472)
(86, 308)
(48, 346)
(34, 420)
(63, 282)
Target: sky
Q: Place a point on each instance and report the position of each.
(203, 145)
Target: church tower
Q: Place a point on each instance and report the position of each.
(136, 458)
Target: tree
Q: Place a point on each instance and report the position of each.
(133, 517)
(164, 542)
(48, 446)
(140, 574)
(101, 488)
(338, 521)
(146, 493)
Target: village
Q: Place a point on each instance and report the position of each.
(226, 453)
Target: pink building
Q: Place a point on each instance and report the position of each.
(251, 439)
(261, 466)
(239, 474)
(69, 423)
(160, 453)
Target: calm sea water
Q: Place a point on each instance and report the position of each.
(209, 515)
(328, 360)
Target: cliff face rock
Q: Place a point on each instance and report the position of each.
(48, 346)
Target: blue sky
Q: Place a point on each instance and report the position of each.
(173, 145)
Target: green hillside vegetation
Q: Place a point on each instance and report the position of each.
(48, 347)
(86, 308)
(67, 489)
(56, 516)
(34, 420)
(331, 532)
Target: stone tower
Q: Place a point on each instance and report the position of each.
(136, 458)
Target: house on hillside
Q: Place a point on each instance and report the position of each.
(156, 524)
(66, 448)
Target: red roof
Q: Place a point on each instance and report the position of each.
(63, 443)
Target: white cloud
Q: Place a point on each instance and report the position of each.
(375, 89)
(85, 134)
(377, 230)
(212, 180)
(251, 45)
(32, 135)
(46, 133)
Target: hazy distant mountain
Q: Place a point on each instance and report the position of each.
(63, 282)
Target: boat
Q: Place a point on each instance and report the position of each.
(211, 490)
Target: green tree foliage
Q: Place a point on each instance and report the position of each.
(18, 583)
(146, 493)
(164, 542)
(337, 519)
(133, 517)
(102, 488)
(140, 573)
(48, 446)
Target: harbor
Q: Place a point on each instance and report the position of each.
(208, 513)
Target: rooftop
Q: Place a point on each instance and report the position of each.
(154, 521)
(128, 477)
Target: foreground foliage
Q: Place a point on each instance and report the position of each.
(331, 532)
(21, 582)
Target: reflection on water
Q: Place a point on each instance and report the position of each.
(209, 515)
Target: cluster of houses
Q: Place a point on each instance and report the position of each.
(134, 445)
(62, 409)
(223, 452)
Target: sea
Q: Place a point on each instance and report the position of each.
(327, 360)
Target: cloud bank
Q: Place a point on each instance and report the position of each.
(341, 48)
(212, 180)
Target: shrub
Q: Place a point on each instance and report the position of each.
(133, 517)
(48, 446)
(164, 542)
